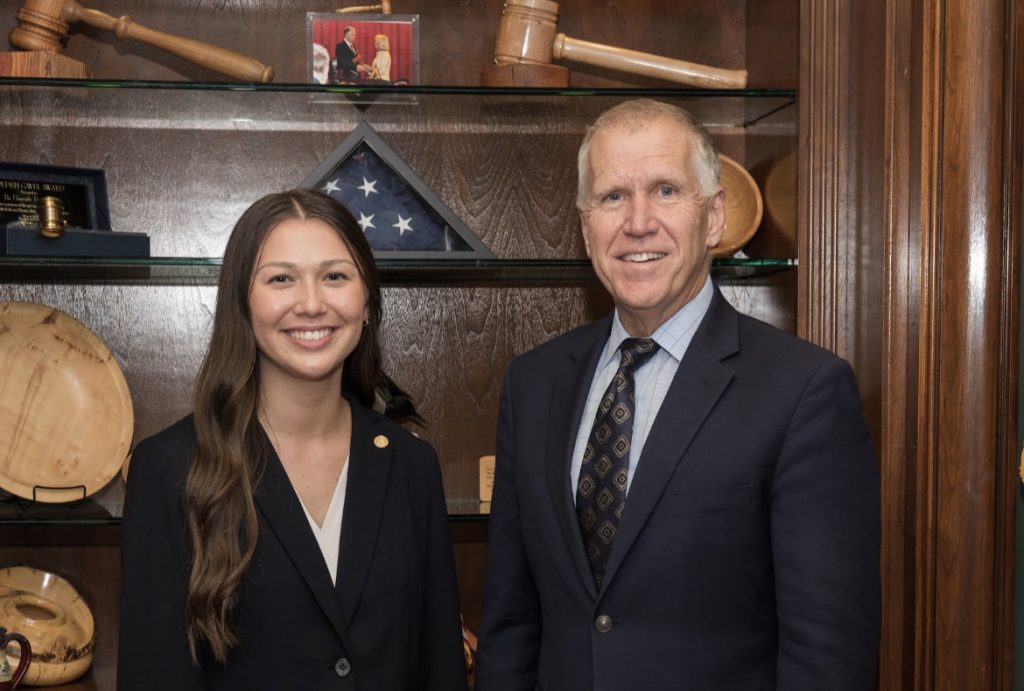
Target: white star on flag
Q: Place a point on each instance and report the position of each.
(332, 186)
(368, 187)
(366, 221)
(403, 225)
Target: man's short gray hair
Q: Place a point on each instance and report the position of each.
(634, 114)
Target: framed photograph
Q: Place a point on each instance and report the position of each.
(363, 48)
(400, 216)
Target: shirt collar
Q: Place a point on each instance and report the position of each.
(673, 336)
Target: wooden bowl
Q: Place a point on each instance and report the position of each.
(49, 612)
(66, 416)
(743, 207)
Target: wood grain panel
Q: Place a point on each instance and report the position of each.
(773, 37)
(901, 278)
(953, 213)
(965, 353)
(448, 348)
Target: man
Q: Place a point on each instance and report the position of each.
(711, 520)
(349, 63)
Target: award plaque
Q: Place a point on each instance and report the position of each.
(83, 192)
(60, 211)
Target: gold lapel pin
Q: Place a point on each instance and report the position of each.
(381, 442)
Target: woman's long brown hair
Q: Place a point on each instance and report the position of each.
(219, 507)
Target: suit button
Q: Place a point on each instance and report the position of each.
(342, 667)
(603, 623)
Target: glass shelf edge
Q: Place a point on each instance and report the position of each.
(422, 90)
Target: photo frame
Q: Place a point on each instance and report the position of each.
(383, 49)
(400, 216)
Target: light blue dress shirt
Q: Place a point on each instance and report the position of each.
(651, 381)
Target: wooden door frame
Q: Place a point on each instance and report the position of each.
(939, 247)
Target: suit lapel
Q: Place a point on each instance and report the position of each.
(569, 389)
(370, 460)
(280, 506)
(699, 383)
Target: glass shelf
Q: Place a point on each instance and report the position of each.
(89, 511)
(205, 270)
(299, 107)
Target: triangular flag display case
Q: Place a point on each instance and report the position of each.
(401, 217)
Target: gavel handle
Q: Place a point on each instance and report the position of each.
(212, 57)
(357, 8)
(635, 62)
(384, 6)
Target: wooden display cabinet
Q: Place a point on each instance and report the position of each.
(840, 258)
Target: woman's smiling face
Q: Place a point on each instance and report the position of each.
(307, 301)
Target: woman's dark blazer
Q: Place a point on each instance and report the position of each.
(391, 623)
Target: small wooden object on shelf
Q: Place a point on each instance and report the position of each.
(66, 417)
(48, 611)
(36, 63)
(486, 478)
(744, 207)
(384, 7)
(527, 38)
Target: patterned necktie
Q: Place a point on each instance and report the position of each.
(601, 492)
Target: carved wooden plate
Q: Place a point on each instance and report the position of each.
(49, 612)
(66, 415)
(743, 207)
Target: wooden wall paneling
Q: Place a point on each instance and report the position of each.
(840, 167)
(953, 240)
(447, 346)
(901, 279)
(960, 395)
(773, 43)
(820, 167)
(1007, 459)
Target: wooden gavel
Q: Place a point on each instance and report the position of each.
(527, 36)
(44, 24)
(384, 7)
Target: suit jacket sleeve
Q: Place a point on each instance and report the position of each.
(441, 637)
(511, 621)
(825, 539)
(153, 650)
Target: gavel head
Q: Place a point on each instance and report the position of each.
(524, 48)
(41, 26)
(385, 6)
(526, 33)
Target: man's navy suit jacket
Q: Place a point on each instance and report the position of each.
(748, 554)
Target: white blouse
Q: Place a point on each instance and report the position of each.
(328, 535)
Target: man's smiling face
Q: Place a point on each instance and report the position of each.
(647, 228)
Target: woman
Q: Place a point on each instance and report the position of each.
(238, 570)
(382, 60)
